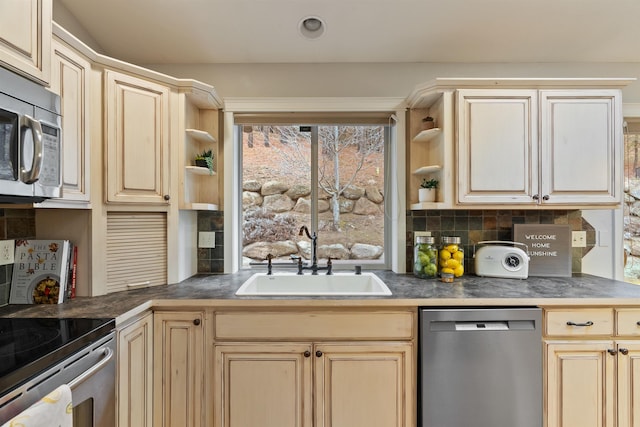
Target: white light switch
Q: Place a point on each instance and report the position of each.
(206, 239)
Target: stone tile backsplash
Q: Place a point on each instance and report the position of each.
(211, 260)
(474, 226)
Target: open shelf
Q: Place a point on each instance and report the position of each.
(425, 170)
(427, 135)
(202, 206)
(201, 135)
(198, 170)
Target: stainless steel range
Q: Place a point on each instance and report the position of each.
(37, 355)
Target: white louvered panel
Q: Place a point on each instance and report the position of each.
(136, 250)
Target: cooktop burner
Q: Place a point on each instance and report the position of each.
(30, 345)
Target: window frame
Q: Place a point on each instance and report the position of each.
(395, 107)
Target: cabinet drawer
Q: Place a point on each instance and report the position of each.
(315, 325)
(582, 322)
(627, 320)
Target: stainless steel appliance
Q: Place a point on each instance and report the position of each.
(480, 367)
(30, 141)
(39, 355)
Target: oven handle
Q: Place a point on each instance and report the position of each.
(108, 354)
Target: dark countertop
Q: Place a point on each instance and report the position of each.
(204, 291)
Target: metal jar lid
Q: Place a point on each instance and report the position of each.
(446, 240)
(424, 239)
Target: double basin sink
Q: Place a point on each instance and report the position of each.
(283, 284)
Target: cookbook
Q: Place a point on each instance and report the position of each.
(40, 272)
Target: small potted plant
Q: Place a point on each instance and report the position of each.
(427, 191)
(205, 160)
(428, 123)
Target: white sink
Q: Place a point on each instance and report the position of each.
(294, 284)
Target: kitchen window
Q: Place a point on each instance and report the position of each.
(328, 176)
(631, 212)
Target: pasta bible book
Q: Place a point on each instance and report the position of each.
(40, 272)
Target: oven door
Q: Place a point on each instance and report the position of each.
(91, 375)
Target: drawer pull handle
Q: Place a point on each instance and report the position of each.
(570, 323)
(624, 351)
(612, 351)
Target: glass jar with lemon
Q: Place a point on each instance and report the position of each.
(451, 257)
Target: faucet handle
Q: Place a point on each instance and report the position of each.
(329, 266)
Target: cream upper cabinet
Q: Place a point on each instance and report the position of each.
(25, 37)
(581, 147)
(539, 147)
(135, 373)
(70, 78)
(321, 369)
(497, 146)
(137, 140)
(179, 348)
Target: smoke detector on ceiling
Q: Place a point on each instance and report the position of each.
(311, 27)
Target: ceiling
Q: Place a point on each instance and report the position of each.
(266, 31)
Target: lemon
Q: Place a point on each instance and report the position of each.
(447, 270)
(458, 255)
(451, 248)
(445, 255)
(452, 263)
(443, 262)
(458, 271)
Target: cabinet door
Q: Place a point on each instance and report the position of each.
(364, 385)
(581, 146)
(178, 369)
(263, 384)
(135, 374)
(580, 384)
(70, 79)
(628, 383)
(137, 133)
(497, 146)
(25, 37)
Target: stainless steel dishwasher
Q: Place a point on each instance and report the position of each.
(480, 367)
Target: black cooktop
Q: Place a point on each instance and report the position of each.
(29, 346)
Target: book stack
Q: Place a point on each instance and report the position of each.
(44, 272)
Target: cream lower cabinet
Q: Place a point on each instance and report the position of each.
(178, 369)
(135, 373)
(593, 372)
(345, 373)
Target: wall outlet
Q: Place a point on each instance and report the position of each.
(578, 239)
(7, 249)
(417, 234)
(206, 239)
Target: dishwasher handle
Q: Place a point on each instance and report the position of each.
(481, 325)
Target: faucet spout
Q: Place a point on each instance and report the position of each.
(314, 247)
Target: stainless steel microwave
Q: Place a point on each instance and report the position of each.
(30, 141)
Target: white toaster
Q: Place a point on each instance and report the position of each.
(497, 258)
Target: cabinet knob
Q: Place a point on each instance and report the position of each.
(535, 197)
(624, 351)
(612, 351)
(318, 353)
(307, 353)
(545, 197)
(638, 323)
(196, 322)
(167, 197)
